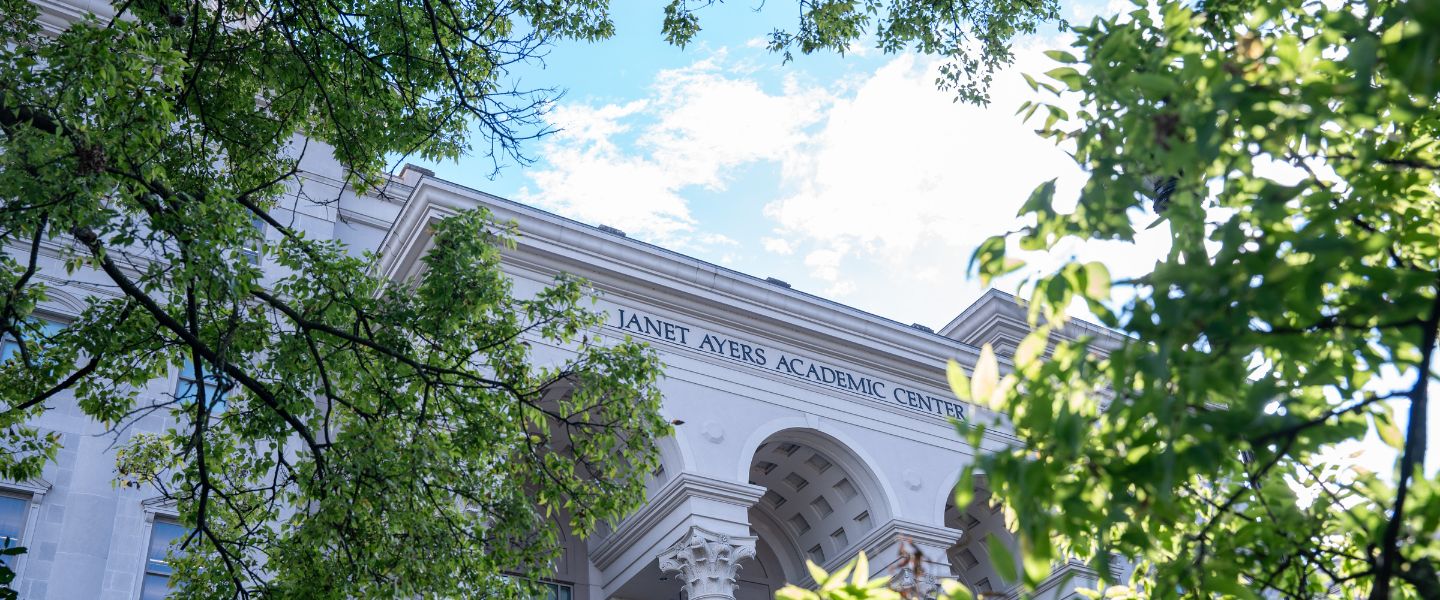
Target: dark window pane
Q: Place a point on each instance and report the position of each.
(9, 348)
(555, 591)
(251, 249)
(12, 523)
(161, 537)
(12, 518)
(155, 588)
(214, 390)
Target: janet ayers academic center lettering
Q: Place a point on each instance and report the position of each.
(813, 430)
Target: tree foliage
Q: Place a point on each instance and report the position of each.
(354, 437)
(973, 37)
(1290, 150)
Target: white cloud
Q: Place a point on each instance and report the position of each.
(886, 184)
(629, 164)
(582, 123)
(901, 175)
(778, 246)
(825, 264)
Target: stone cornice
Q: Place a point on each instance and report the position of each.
(1002, 320)
(351, 216)
(1063, 575)
(618, 265)
(57, 15)
(874, 543)
(683, 487)
(893, 529)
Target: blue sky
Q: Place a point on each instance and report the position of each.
(852, 177)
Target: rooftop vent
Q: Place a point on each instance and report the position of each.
(778, 282)
(611, 230)
(921, 328)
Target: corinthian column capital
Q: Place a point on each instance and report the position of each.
(706, 562)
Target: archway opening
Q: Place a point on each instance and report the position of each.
(970, 559)
(820, 502)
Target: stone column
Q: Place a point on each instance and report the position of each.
(706, 562)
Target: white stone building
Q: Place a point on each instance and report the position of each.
(811, 430)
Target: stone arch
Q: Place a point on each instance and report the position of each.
(821, 501)
(829, 438)
(61, 303)
(674, 459)
(969, 557)
(945, 496)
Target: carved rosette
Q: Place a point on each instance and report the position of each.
(706, 562)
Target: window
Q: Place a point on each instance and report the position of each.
(251, 249)
(555, 591)
(9, 348)
(157, 564)
(12, 524)
(549, 590)
(215, 386)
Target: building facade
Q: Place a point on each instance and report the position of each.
(809, 430)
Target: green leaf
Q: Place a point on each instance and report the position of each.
(1001, 558)
(959, 384)
(986, 377)
(1389, 432)
(1067, 76)
(1153, 84)
(1032, 347)
(862, 571)
(1061, 56)
(1097, 281)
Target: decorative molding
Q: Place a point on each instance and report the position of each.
(713, 432)
(159, 506)
(683, 487)
(35, 488)
(927, 586)
(707, 562)
(692, 289)
(914, 480)
(346, 215)
(919, 533)
(1063, 575)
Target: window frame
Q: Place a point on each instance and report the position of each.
(51, 319)
(154, 508)
(252, 251)
(33, 492)
(217, 387)
(556, 584)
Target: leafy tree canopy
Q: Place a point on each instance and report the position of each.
(140, 147)
(973, 37)
(1290, 149)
